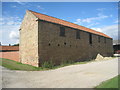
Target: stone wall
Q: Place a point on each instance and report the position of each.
(54, 47)
(29, 40)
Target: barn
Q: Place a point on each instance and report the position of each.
(45, 38)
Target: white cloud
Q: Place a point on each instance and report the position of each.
(10, 21)
(89, 20)
(10, 29)
(14, 35)
(117, 21)
(111, 31)
(19, 2)
(111, 15)
(93, 24)
(97, 29)
(10, 34)
(78, 21)
(14, 6)
(1, 19)
(39, 7)
(102, 16)
(101, 9)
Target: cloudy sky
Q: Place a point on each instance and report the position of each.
(100, 16)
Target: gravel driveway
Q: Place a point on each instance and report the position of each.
(74, 76)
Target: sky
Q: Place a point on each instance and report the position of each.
(99, 16)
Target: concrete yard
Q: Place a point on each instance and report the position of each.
(73, 76)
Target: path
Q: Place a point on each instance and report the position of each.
(74, 76)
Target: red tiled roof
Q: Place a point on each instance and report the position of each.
(65, 23)
(14, 48)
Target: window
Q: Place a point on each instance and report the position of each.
(62, 31)
(77, 34)
(90, 38)
(49, 44)
(58, 44)
(104, 40)
(99, 39)
(64, 43)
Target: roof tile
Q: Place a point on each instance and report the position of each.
(66, 23)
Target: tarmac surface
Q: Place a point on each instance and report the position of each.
(74, 76)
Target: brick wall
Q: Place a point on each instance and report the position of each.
(9, 48)
(40, 41)
(52, 46)
(14, 55)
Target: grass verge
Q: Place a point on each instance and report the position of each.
(13, 65)
(112, 83)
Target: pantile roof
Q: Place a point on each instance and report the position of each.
(66, 23)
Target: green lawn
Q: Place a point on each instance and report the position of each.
(13, 65)
(112, 83)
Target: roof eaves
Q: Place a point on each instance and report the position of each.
(87, 29)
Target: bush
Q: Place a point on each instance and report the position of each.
(16, 45)
(48, 64)
(66, 62)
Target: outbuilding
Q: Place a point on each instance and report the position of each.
(48, 39)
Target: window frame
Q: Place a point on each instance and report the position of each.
(104, 39)
(62, 31)
(77, 34)
(99, 37)
(90, 38)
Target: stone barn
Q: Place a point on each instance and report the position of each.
(44, 38)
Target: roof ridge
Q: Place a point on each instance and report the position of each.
(58, 18)
(54, 17)
(97, 32)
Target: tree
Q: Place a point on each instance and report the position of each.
(16, 44)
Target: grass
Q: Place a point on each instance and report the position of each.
(51, 65)
(13, 65)
(112, 83)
